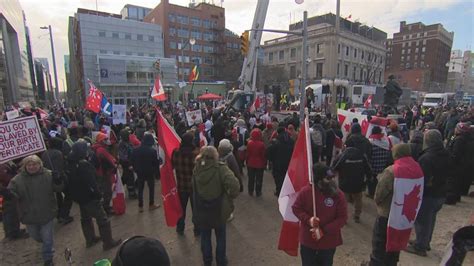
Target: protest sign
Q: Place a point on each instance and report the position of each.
(119, 114)
(19, 138)
(194, 117)
(12, 114)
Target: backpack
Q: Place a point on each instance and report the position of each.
(207, 213)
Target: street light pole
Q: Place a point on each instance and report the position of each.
(56, 89)
(191, 42)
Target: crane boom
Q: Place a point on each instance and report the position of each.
(250, 60)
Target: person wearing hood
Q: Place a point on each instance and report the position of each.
(34, 189)
(279, 154)
(267, 134)
(357, 140)
(226, 155)
(85, 192)
(437, 167)
(256, 162)
(461, 145)
(240, 135)
(333, 134)
(53, 159)
(318, 139)
(416, 144)
(331, 211)
(381, 156)
(218, 131)
(124, 153)
(383, 200)
(106, 167)
(140, 129)
(353, 169)
(146, 164)
(183, 163)
(214, 188)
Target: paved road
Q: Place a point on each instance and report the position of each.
(251, 237)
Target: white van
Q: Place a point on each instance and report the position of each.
(437, 99)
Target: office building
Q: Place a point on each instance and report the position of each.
(418, 56)
(461, 72)
(43, 80)
(360, 53)
(15, 77)
(133, 12)
(117, 55)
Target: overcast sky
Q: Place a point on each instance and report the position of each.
(455, 15)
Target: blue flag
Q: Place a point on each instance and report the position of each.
(105, 106)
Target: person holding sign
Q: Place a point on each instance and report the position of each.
(331, 211)
(34, 188)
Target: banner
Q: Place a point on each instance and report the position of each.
(345, 119)
(194, 117)
(119, 114)
(12, 114)
(19, 138)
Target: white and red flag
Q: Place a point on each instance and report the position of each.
(345, 120)
(118, 195)
(168, 141)
(158, 92)
(368, 102)
(255, 105)
(297, 177)
(94, 99)
(406, 202)
(382, 122)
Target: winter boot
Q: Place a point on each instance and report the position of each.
(106, 234)
(89, 233)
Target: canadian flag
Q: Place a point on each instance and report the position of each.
(345, 120)
(406, 202)
(297, 177)
(168, 141)
(118, 196)
(368, 102)
(158, 93)
(382, 122)
(202, 137)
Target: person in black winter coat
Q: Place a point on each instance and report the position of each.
(331, 134)
(437, 167)
(279, 154)
(353, 169)
(416, 144)
(357, 140)
(146, 164)
(84, 191)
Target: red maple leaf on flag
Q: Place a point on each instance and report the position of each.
(341, 118)
(364, 126)
(347, 127)
(410, 203)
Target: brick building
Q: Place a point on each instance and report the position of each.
(418, 55)
(203, 22)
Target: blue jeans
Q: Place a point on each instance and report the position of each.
(206, 245)
(426, 220)
(43, 233)
(321, 257)
(184, 197)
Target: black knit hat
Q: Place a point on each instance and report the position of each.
(141, 251)
(321, 171)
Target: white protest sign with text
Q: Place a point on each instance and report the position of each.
(19, 138)
(119, 114)
(12, 114)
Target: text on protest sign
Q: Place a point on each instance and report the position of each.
(20, 137)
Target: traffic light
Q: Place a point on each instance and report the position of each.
(244, 42)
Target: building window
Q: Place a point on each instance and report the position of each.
(362, 55)
(402, 58)
(171, 17)
(182, 19)
(236, 45)
(347, 50)
(173, 45)
(128, 36)
(208, 49)
(115, 35)
(292, 72)
(354, 73)
(346, 70)
(208, 71)
(151, 38)
(318, 48)
(319, 70)
(416, 50)
(409, 44)
(139, 37)
(370, 57)
(416, 57)
(361, 74)
(140, 54)
(408, 58)
(338, 69)
(196, 34)
(403, 44)
(424, 42)
(403, 51)
(172, 32)
(196, 48)
(208, 60)
(151, 55)
(415, 65)
(103, 51)
(183, 33)
(207, 36)
(101, 33)
(423, 49)
(195, 22)
(409, 51)
(355, 52)
(338, 48)
(407, 65)
(292, 53)
(206, 24)
(380, 77)
(116, 52)
(270, 57)
(417, 43)
(128, 53)
(422, 57)
(375, 58)
(281, 55)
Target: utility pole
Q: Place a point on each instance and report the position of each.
(333, 108)
(304, 68)
(56, 89)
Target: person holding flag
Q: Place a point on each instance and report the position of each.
(331, 210)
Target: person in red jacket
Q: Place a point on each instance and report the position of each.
(331, 211)
(256, 162)
(106, 166)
